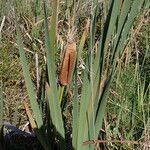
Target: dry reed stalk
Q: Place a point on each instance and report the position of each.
(30, 116)
(68, 63)
(145, 143)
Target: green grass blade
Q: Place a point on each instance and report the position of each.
(102, 105)
(90, 118)
(135, 9)
(53, 91)
(107, 34)
(84, 103)
(75, 114)
(122, 19)
(30, 90)
(109, 26)
(54, 114)
(28, 81)
(109, 30)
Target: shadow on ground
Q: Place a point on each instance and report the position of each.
(12, 138)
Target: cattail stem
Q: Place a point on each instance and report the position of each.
(61, 94)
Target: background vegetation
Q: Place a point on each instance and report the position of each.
(113, 67)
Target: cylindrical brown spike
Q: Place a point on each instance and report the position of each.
(68, 63)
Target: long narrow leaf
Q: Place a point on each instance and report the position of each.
(84, 101)
(54, 92)
(28, 81)
(75, 114)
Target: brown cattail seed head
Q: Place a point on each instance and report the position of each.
(68, 64)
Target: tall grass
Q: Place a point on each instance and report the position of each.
(1, 104)
(101, 64)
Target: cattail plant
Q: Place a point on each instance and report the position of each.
(89, 105)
